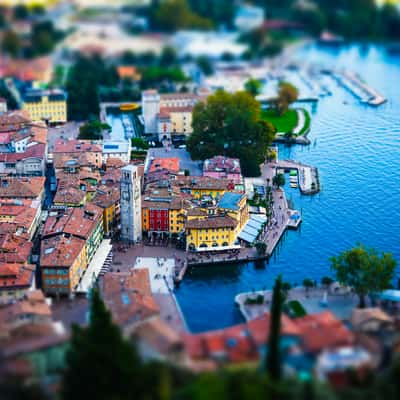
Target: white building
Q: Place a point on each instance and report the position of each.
(169, 113)
(248, 17)
(131, 207)
(117, 149)
(3, 105)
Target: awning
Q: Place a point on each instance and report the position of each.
(253, 227)
(392, 295)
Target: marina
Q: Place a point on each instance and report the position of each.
(349, 141)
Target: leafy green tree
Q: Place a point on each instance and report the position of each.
(253, 86)
(326, 280)
(204, 63)
(139, 143)
(365, 270)
(92, 130)
(287, 94)
(100, 364)
(21, 12)
(168, 56)
(261, 248)
(85, 78)
(230, 124)
(11, 43)
(273, 360)
(154, 76)
(279, 180)
(171, 15)
(219, 11)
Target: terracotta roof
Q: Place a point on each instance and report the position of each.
(361, 316)
(60, 251)
(13, 120)
(128, 296)
(222, 163)
(196, 212)
(169, 164)
(106, 196)
(19, 188)
(211, 222)
(323, 331)
(76, 146)
(14, 248)
(115, 163)
(178, 96)
(68, 196)
(79, 222)
(34, 151)
(201, 182)
(14, 276)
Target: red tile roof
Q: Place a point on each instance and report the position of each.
(13, 276)
(323, 331)
(169, 164)
(22, 188)
(128, 296)
(76, 146)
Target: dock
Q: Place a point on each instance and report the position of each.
(351, 82)
(308, 176)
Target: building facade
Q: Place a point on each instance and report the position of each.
(130, 204)
(46, 105)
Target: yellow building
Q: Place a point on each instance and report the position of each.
(63, 261)
(108, 199)
(235, 206)
(217, 227)
(46, 105)
(181, 120)
(210, 232)
(200, 186)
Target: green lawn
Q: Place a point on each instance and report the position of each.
(284, 123)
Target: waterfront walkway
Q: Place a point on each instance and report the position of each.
(308, 177)
(313, 301)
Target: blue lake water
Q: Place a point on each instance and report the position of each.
(357, 150)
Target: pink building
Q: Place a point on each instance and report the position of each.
(221, 167)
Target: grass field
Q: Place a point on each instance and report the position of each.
(286, 122)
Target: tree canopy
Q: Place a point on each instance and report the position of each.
(230, 124)
(85, 78)
(287, 94)
(273, 360)
(92, 130)
(279, 180)
(253, 86)
(365, 270)
(171, 15)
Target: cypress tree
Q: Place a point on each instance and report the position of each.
(100, 363)
(273, 360)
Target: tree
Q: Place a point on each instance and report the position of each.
(287, 94)
(204, 63)
(168, 56)
(92, 130)
(11, 43)
(230, 124)
(139, 143)
(326, 280)
(308, 284)
(21, 12)
(273, 361)
(100, 364)
(364, 270)
(253, 86)
(261, 248)
(171, 15)
(279, 180)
